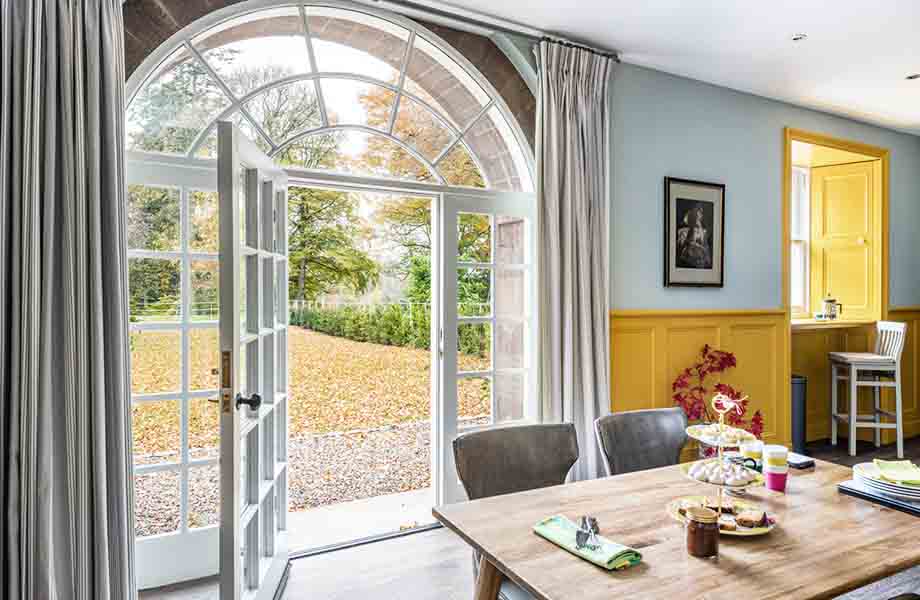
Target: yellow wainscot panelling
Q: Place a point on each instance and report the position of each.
(910, 373)
(650, 348)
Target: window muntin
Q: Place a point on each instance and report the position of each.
(304, 79)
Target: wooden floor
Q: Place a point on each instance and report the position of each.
(436, 565)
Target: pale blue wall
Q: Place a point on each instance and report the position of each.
(666, 125)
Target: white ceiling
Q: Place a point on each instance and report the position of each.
(854, 62)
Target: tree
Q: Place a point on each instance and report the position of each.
(415, 125)
(323, 244)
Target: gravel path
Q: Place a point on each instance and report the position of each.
(323, 469)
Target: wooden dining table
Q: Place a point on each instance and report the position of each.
(825, 543)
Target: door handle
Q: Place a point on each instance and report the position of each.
(253, 401)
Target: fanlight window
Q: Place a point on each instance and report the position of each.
(321, 87)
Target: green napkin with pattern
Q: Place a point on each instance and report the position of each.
(612, 556)
(898, 471)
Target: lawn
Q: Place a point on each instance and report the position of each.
(336, 385)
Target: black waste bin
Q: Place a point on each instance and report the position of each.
(799, 395)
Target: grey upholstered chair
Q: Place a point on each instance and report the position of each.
(641, 439)
(505, 460)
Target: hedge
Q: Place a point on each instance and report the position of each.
(389, 324)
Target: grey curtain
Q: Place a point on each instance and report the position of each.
(573, 190)
(66, 522)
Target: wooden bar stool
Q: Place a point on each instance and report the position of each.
(877, 370)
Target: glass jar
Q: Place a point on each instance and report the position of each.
(702, 532)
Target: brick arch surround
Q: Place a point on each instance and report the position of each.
(149, 23)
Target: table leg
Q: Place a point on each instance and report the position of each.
(490, 579)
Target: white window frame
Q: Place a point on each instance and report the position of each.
(800, 235)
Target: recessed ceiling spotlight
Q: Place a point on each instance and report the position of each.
(800, 37)
(913, 76)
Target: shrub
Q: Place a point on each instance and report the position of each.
(406, 325)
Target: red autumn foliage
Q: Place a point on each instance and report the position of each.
(693, 396)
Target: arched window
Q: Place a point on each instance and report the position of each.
(334, 89)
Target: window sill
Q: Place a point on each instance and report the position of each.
(811, 324)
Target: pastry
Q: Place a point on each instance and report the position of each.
(752, 518)
(727, 507)
(727, 526)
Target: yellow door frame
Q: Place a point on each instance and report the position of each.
(791, 134)
(800, 135)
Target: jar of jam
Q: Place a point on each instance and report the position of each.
(702, 532)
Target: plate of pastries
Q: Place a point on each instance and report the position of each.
(737, 517)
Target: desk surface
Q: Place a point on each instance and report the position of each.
(825, 544)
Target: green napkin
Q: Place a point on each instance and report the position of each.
(611, 556)
(898, 471)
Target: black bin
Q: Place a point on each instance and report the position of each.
(799, 395)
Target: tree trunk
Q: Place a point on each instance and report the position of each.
(301, 279)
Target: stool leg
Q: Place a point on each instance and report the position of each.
(877, 394)
(853, 412)
(899, 417)
(833, 404)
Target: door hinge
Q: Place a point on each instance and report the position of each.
(441, 343)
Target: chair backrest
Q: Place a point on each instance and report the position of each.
(641, 439)
(889, 339)
(512, 459)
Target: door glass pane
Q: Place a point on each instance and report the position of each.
(154, 289)
(509, 344)
(510, 299)
(155, 430)
(203, 496)
(474, 342)
(203, 223)
(474, 297)
(510, 244)
(205, 288)
(509, 397)
(153, 218)
(244, 369)
(155, 357)
(203, 428)
(474, 238)
(244, 470)
(474, 401)
(244, 298)
(204, 359)
(156, 503)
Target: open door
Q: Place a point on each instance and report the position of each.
(253, 373)
(488, 297)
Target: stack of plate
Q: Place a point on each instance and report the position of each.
(868, 474)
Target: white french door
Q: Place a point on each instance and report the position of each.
(488, 313)
(253, 371)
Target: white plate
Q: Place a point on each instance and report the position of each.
(887, 490)
(870, 473)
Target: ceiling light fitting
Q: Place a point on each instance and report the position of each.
(913, 76)
(800, 37)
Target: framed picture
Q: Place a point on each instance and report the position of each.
(694, 233)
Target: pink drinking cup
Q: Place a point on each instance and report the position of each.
(775, 481)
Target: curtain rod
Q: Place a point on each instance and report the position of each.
(486, 23)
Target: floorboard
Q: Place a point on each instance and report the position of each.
(436, 565)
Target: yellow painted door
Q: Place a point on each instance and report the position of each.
(845, 242)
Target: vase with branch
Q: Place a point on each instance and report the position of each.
(696, 384)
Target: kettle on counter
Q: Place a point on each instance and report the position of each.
(831, 308)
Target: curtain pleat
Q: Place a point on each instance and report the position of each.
(573, 189)
(67, 497)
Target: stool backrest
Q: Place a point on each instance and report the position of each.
(889, 339)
